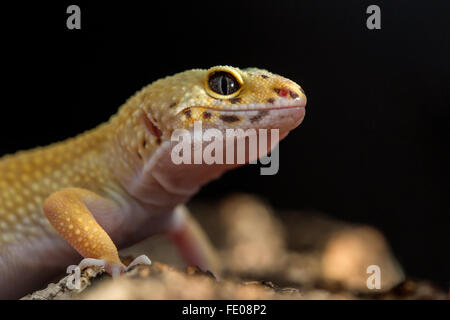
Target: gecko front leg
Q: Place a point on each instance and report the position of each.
(192, 242)
(70, 212)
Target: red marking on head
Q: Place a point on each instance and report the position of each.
(154, 130)
(283, 92)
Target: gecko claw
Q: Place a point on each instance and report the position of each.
(91, 262)
(142, 259)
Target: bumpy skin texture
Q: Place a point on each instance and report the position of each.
(116, 184)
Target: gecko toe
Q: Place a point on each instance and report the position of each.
(91, 262)
(142, 259)
(114, 269)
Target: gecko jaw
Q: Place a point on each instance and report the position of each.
(276, 105)
(257, 109)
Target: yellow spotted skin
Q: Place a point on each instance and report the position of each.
(72, 218)
(27, 178)
(56, 189)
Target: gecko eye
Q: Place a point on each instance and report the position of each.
(223, 84)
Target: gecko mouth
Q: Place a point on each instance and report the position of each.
(256, 109)
(277, 105)
(283, 116)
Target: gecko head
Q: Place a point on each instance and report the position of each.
(224, 97)
(159, 127)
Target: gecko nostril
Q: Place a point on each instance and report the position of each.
(282, 92)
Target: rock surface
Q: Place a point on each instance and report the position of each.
(267, 255)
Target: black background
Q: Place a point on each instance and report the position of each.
(373, 148)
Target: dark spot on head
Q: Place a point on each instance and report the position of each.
(187, 113)
(229, 118)
(158, 140)
(173, 104)
(206, 115)
(264, 76)
(261, 114)
(144, 143)
(235, 100)
(271, 100)
(293, 94)
(277, 90)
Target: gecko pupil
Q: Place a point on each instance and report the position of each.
(223, 83)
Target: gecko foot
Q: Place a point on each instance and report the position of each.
(114, 269)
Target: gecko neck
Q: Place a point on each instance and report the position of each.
(143, 166)
(128, 150)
